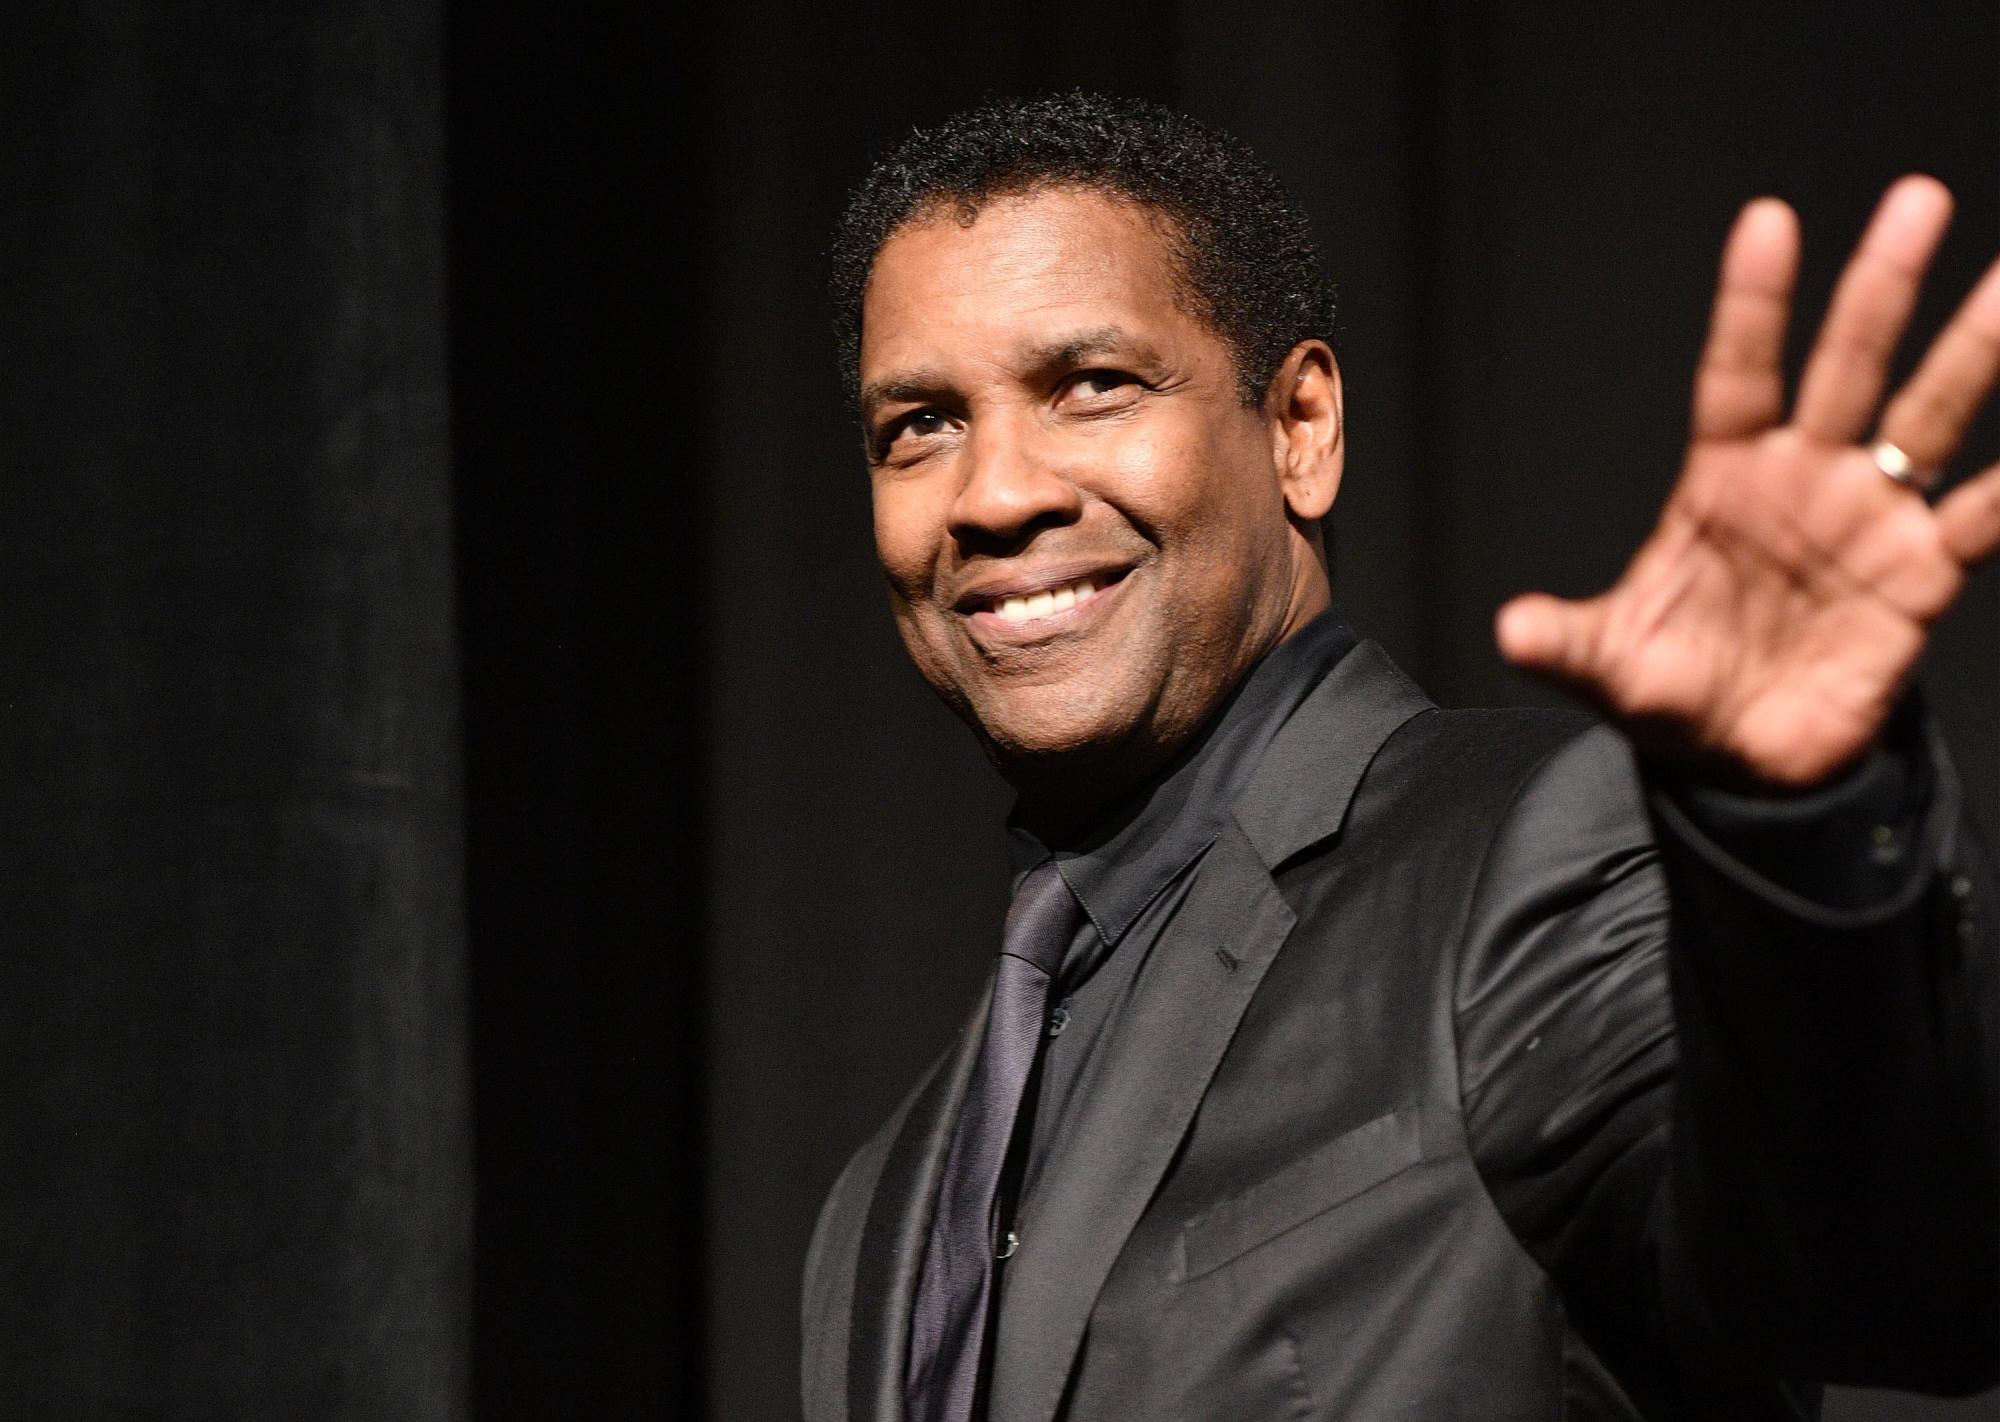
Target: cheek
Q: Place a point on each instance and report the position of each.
(906, 537)
(1205, 493)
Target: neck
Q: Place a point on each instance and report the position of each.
(1061, 797)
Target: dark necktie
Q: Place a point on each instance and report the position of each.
(948, 1323)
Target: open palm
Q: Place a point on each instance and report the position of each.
(1771, 621)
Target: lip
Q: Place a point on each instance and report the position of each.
(990, 627)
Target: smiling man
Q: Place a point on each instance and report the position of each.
(1114, 436)
(1345, 1057)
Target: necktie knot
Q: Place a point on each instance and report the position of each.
(1041, 919)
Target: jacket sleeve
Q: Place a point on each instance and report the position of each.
(1741, 1108)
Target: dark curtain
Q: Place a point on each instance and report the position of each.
(235, 1171)
(477, 860)
(579, 203)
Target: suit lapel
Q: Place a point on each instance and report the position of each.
(1300, 793)
(893, 1236)
(1113, 1152)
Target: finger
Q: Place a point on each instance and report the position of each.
(1929, 415)
(1969, 517)
(1549, 636)
(1850, 361)
(1739, 388)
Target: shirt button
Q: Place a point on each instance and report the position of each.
(1961, 887)
(1058, 1020)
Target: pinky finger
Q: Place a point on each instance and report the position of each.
(1969, 517)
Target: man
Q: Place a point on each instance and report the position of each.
(1330, 1067)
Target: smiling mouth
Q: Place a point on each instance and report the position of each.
(1030, 607)
(1021, 618)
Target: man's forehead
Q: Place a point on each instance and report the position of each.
(1029, 279)
(1035, 248)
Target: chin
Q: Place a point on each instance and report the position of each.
(1065, 728)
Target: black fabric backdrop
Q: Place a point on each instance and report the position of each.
(235, 1174)
(476, 859)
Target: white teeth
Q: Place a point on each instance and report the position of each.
(1025, 607)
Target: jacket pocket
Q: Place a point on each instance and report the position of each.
(1331, 1175)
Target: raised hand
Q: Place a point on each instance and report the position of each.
(1768, 625)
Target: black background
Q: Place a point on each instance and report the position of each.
(475, 858)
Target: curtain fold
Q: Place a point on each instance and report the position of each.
(235, 1164)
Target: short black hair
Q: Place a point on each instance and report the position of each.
(1247, 262)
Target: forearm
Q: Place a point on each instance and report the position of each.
(1835, 1177)
(1783, 1163)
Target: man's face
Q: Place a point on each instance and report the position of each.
(1082, 525)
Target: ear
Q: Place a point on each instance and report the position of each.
(1308, 429)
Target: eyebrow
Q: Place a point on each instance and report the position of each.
(913, 386)
(1064, 352)
(1080, 346)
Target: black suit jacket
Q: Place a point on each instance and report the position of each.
(1404, 1120)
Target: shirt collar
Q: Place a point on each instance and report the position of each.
(1122, 862)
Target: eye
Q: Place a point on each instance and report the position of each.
(916, 425)
(1094, 387)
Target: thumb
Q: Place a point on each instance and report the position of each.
(1548, 635)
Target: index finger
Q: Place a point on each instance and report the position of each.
(1739, 386)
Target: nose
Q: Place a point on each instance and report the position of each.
(1010, 488)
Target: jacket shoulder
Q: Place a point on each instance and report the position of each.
(1476, 760)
